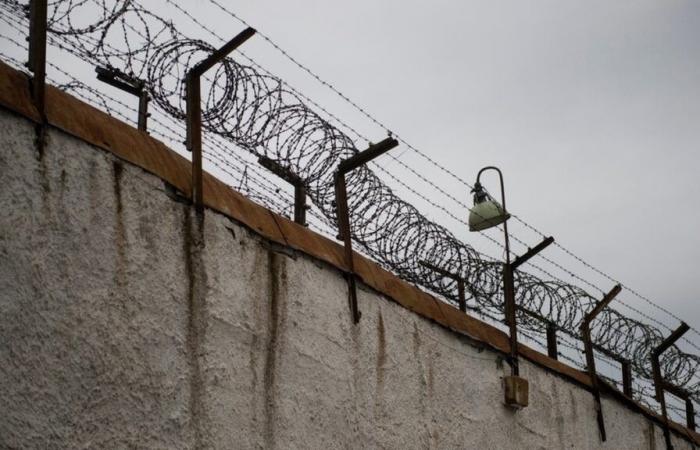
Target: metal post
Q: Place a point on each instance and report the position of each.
(627, 378)
(659, 383)
(128, 84)
(552, 350)
(143, 111)
(461, 297)
(508, 284)
(194, 111)
(509, 294)
(509, 288)
(37, 53)
(590, 357)
(689, 413)
(295, 180)
(341, 201)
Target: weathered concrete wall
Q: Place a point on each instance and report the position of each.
(125, 321)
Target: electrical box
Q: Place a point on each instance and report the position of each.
(517, 391)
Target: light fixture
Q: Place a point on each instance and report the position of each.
(486, 212)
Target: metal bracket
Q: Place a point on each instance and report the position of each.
(685, 396)
(552, 350)
(509, 294)
(194, 111)
(625, 366)
(659, 384)
(590, 356)
(627, 378)
(126, 83)
(520, 260)
(295, 180)
(37, 53)
(452, 276)
(341, 201)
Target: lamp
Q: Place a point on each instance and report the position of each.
(486, 212)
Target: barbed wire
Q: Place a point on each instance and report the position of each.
(258, 113)
(444, 169)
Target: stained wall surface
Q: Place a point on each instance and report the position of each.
(128, 321)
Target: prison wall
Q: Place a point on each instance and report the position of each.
(127, 320)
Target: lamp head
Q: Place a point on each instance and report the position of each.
(486, 212)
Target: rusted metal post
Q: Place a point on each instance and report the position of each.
(461, 297)
(194, 111)
(130, 85)
(689, 413)
(37, 53)
(341, 201)
(590, 356)
(659, 383)
(509, 290)
(142, 123)
(552, 350)
(295, 180)
(627, 378)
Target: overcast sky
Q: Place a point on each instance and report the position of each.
(590, 108)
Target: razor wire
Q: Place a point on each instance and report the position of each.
(258, 113)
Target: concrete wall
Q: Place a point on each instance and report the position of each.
(125, 321)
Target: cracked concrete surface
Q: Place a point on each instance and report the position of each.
(127, 321)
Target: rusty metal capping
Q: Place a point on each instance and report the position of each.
(194, 111)
(341, 202)
(590, 356)
(124, 82)
(659, 383)
(80, 120)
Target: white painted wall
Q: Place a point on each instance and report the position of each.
(126, 322)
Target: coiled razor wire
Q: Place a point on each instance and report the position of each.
(258, 113)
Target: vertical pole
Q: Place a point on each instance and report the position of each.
(590, 356)
(194, 137)
(37, 53)
(341, 196)
(552, 350)
(143, 111)
(509, 295)
(509, 290)
(658, 379)
(300, 204)
(689, 413)
(343, 215)
(194, 111)
(462, 297)
(627, 378)
(590, 365)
